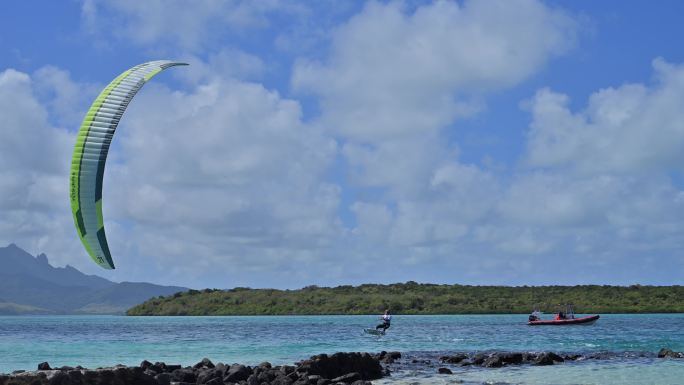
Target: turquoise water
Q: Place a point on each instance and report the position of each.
(93, 341)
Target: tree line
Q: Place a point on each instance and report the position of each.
(416, 298)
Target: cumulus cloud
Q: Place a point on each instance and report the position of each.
(596, 185)
(398, 77)
(393, 72)
(391, 91)
(34, 166)
(222, 181)
(226, 171)
(628, 129)
(224, 174)
(189, 26)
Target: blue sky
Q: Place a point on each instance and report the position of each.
(477, 142)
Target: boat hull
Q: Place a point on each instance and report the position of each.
(588, 320)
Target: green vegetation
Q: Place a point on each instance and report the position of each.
(414, 298)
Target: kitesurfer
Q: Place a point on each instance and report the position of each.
(386, 319)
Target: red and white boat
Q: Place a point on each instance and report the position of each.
(562, 318)
(588, 320)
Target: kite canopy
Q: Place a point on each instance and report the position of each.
(90, 155)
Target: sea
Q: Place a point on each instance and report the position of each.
(627, 343)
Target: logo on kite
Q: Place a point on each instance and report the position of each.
(90, 155)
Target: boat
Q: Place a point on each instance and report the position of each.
(587, 320)
(566, 317)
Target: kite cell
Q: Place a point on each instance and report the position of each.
(90, 155)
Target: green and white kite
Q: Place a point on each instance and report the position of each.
(90, 155)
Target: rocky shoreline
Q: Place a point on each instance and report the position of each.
(322, 369)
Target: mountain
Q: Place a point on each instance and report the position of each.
(30, 285)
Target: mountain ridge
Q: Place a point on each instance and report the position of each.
(30, 285)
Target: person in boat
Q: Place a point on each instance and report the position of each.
(386, 320)
(560, 316)
(533, 317)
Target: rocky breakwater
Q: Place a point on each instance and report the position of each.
(335, 369)
(500, 359)
(495, 359)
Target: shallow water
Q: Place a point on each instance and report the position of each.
(639, 372)
(94, 341)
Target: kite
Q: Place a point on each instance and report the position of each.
(90, 155)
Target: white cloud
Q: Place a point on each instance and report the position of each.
(34, 166)
(596, 188)
(189, 26)
(65, 99)
(629, 129)
(393, 73)
(224, 64)
(396, 78)
(224, 182)
(224, 174)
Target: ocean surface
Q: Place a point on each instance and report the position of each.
(94, 341)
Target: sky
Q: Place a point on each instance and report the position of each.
(488, 142)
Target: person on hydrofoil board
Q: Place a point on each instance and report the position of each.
(386, 319)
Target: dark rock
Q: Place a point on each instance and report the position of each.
(133, 375)
(44, 366)
(455, 359)
(424, 362)
(76, 377)
(237, 373)
(287, 369)
(266, 376)
(529, 357)
(572, 357)
(214, 381)
(444, 371)
(205, 363)
(548, 358)
(323, 381)
(281, 380)
(493, 361)
(361, 382)
(91, 376)
(208, 374)
(340, 364)
(183, 375)
(669, 353)
(171, 368)
(253, 380)
(511, 358)
(60, 378)
(145, 364)
(265, 365)
(347, 378)
(388, 358)
(221, 369)
(478, 359)
(163, 379)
